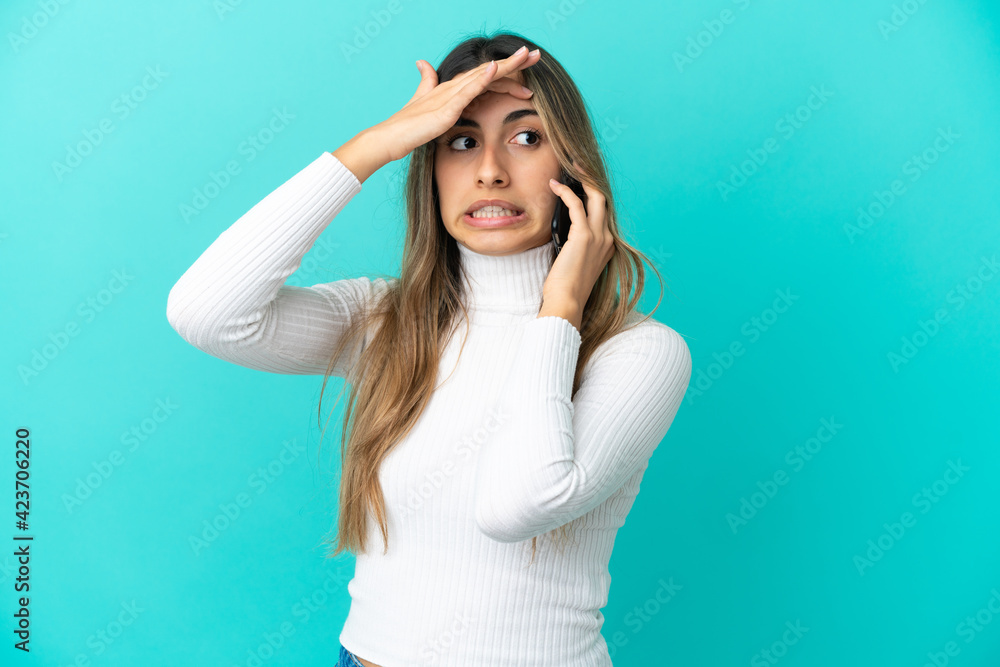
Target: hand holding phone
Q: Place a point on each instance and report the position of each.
(560, 219)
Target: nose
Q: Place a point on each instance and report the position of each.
(490, 171)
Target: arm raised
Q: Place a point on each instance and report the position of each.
(233, 302)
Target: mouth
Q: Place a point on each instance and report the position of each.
(489, 218)
(493, 213)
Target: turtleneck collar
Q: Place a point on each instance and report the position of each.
(510, 283)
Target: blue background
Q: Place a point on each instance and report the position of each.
(879, 337)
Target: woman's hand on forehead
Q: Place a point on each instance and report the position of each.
(510, 85)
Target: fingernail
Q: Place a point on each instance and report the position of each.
(534, 53)
(521, 50)
(526, 91)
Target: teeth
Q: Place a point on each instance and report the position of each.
(492, 212)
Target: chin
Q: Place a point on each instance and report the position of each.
(503, 241)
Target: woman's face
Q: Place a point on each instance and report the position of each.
(482, 157)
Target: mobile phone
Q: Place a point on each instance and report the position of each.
(560, 219)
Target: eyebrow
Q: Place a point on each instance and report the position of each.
(508, 119)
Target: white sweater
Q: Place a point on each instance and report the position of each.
(500, 455)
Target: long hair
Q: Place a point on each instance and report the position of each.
(407, 326)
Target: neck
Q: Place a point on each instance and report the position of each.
(510, 282)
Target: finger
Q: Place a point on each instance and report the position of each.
(529, 61)
(517, 62)
(428, 77)
(595, 204)
(521, 61)
(428, 81)
(595, 208)
(474, 73)
(474, 87)
(457, 82)
(479, 73)
(471, 83)
(577, 213)
(501, 67)
(511, 87)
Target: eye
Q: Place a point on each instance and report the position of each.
(460, 139)
(537, 135)
(450, 143)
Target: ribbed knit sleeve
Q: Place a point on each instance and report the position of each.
(554, 459)
(232, 302)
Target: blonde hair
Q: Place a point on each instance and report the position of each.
(393, 378)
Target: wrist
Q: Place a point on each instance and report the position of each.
(566, 308)
(362, 154)
(562, 300)
(374, 140)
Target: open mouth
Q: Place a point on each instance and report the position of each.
(494, 216)
(494, 211)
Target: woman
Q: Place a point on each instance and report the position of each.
(500, 391)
